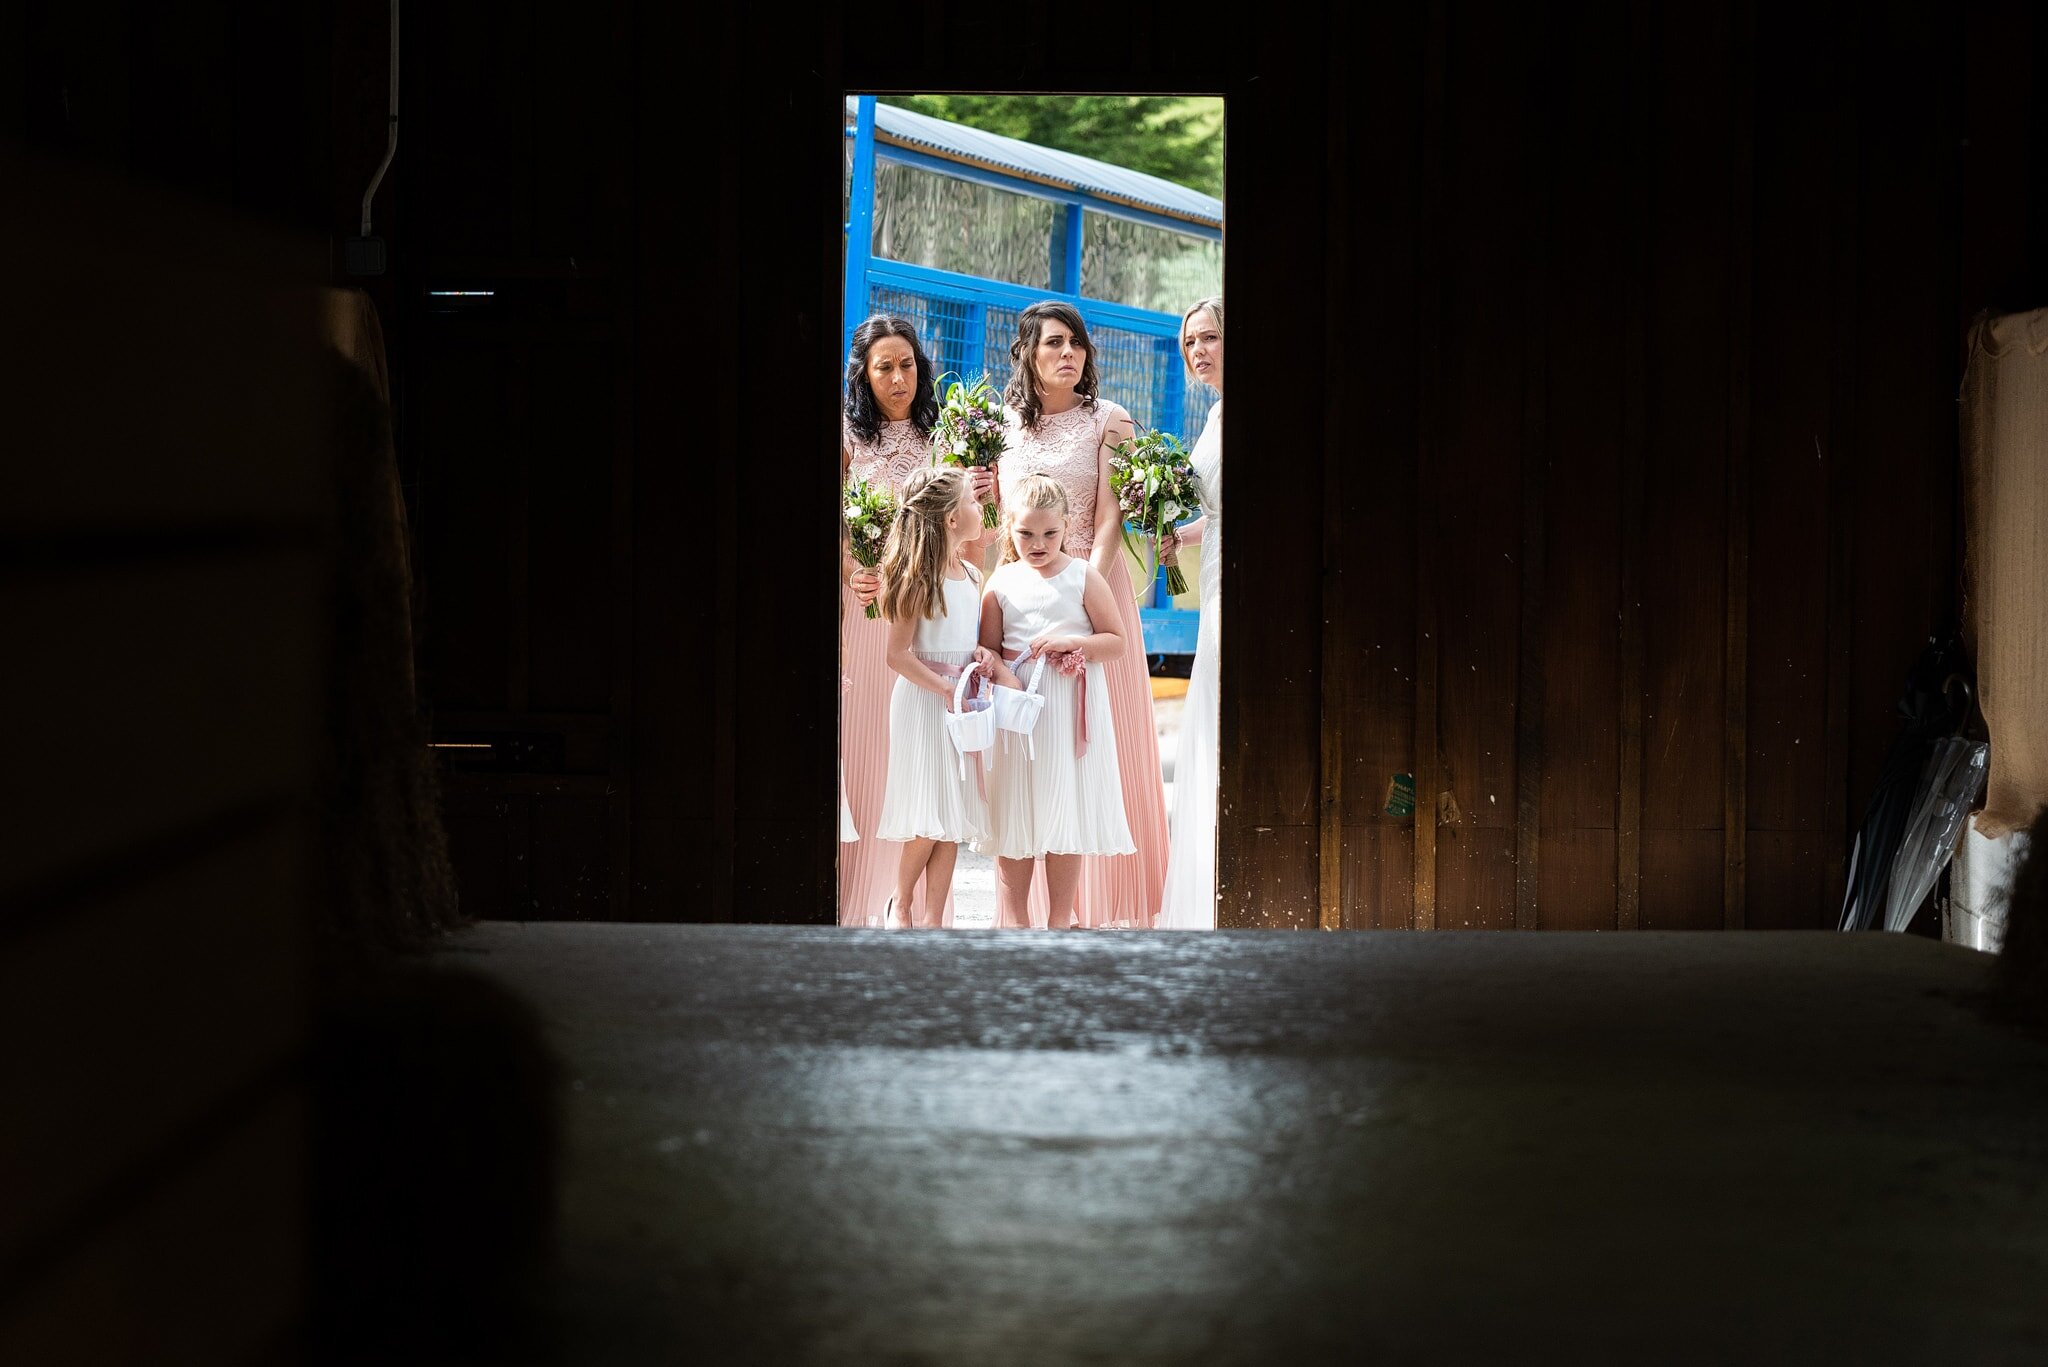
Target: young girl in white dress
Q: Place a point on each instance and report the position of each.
(1061, 799)
(931, 598)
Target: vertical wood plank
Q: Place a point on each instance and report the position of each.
(1538, 194)
(1428, 448)
(1374, 417)
(1628, 850)
(1333, 664)
(1684, 581)
(1904, 439)
(1797, 338)
(1843, 182)
(1735, 592)
(1586, 340)
(1477, 517)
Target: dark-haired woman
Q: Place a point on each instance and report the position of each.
(1060, 426)
(888, 417)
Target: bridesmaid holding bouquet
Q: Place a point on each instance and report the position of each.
(1059, 426)
(889, 411)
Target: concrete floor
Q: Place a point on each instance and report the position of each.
(862, 1147)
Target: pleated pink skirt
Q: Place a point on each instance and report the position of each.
(1122, 891)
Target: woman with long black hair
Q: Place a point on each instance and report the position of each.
(889, 411)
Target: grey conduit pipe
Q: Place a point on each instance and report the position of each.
(391, 135)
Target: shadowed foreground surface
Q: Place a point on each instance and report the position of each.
(859, 1147)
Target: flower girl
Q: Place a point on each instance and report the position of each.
(930, 596)
(1062, 797)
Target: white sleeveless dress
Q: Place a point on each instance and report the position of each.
(1048, 799)
(1189, 901)
(925, 798)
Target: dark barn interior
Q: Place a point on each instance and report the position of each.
(1598, 368)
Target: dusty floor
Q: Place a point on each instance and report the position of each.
(857, 1147)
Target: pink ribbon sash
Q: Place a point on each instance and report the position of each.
(1074, 665)
(951, 674)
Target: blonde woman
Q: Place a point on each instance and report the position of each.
(1189, 902)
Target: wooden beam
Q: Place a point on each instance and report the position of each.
(1735, 639)
(1846, 233)
(1529, 764)
(1427, 447)
(1337, 326)
(1635, 456)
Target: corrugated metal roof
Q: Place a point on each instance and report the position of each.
(1065, 170)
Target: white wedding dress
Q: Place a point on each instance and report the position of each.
(1188, 901)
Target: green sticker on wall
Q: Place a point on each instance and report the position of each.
(1401, 795)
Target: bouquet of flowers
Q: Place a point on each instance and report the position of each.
(870, 511)
(1154, 484)
(969, 432)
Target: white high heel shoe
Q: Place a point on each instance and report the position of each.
(889, 915)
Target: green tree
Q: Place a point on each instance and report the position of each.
(1174, 137)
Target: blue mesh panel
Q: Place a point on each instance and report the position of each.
(946, 325)
(1140, 370)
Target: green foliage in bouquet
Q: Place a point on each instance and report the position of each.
(1155, 487)
(969, 432)
(870, 512)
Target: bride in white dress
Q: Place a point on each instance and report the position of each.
(1188, 901)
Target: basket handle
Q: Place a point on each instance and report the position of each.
(960, 688)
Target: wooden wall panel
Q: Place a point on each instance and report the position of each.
(1576, 883)
(1369, 650)
(517, 433)
(1902, 440)
(1377, 887)
(1800, 71)
(464, 429)
(1585, 332)
(1274, 712)
(1588, 283)
(569, 556)
(1683, 515)
(1493, 200)
(1681, 879)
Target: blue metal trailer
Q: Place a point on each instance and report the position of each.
(1036, 223)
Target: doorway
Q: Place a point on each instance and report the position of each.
(962, 213)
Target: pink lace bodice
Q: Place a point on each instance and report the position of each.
(897, 450)
(1065, 446)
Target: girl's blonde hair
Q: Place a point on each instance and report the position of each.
(1032, 492)
(913, 568)
(1214, 303)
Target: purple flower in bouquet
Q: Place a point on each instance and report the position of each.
(870, 510)
(970, 430)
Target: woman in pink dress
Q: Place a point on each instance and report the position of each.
(885, 435)
(1059, 427)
